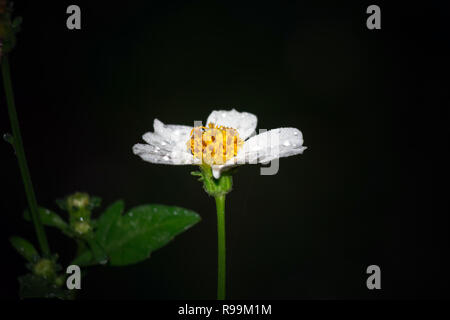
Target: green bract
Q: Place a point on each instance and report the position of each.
(214, 187)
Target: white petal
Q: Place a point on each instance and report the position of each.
(270, 145)
(150, 154)
(159, 142)
(244, 122)
(167, 145)
(264, 147)
(175, 135)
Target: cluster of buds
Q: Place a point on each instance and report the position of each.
(79, 206)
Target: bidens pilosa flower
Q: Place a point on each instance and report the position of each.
(226, 141)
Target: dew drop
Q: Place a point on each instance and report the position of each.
(8, 137)
(166, 158)
(286, 143)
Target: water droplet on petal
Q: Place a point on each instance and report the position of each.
(166, 158)
(286, 143)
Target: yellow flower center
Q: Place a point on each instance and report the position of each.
(214, 144)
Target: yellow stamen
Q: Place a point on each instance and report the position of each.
(214, 144)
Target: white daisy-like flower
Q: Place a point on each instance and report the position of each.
(225, 142)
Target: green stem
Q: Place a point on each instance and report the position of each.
(221, 269)
(20, 153)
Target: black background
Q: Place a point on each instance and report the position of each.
(372, 187)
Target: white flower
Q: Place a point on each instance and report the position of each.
(184, 145)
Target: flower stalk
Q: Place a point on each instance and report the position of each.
(21, 159)
(218, 188)
(221, 261)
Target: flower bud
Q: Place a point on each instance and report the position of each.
(77, 201)
(44, 268)
(81, 227)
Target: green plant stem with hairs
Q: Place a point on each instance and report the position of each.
(21, 159)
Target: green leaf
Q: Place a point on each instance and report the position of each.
(131, 238)
(145, 229)
(24, 248)
(108, 219)
(33, 286)
(49, 218)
